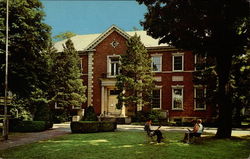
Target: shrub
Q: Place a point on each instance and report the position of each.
(60, 116)
(141, 116)
(89, 114)
(92, 126)
(27, 126)
(43, 113)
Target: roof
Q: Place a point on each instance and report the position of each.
(89, 41)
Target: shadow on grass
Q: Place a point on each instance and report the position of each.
(130, 145)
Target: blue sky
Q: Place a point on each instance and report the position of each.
(88, 17)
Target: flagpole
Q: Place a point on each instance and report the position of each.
(5, 120)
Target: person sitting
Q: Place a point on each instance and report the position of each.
(196, 132)
(151, 132)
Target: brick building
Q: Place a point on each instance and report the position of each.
(175, 94)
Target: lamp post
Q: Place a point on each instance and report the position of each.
(5, 119)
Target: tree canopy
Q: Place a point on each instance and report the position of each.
(28, 37)
(64, 35)
(217, 28)
(135, 79)
(66, 87)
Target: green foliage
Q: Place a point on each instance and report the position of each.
(28, 37)
(66, 86)
(60, 116)
(135, 79)
(213, 28)
(142, 116)
(64, 35)
(239, 84)
(28, 126)
(89, 114)
(92, 126)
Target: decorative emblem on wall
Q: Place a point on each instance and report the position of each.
(114, 43)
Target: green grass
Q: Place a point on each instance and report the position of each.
(129, 145)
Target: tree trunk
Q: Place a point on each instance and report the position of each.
(224, 99)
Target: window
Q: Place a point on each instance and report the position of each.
(81, 65)
(177, 98)
(156, 99)
(199, 61)
(113, 68)
(178, 62)
(156, 63)
(199, 98)
(58, 106)
(114, 92)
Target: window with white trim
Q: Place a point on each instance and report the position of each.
(58, 106)
(113, 66)
(156, 98)
(178, 62)
(81, 65)
(177, 98)
(199, 60)
(156, 63)
(199, 98)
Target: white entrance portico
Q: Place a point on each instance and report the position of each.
(109, 99)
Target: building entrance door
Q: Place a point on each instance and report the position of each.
(112, 101)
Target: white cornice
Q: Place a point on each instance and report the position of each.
(101, 37)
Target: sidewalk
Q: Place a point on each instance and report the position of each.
(26, 138)
(63, 129)
(235, 131)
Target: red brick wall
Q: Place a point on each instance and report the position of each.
(100, 66)
(188, 90)
(100, 63)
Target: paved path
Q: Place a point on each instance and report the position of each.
(26, 138)
(62, 129)
(235, 132)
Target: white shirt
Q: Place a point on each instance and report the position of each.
(200, 130)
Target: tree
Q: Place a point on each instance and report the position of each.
(64, 35)
(66, 86)
(239, 84)
(216, 28)
(135, 80)
(28, 37)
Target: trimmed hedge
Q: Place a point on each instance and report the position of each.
(92, 126)
(29, 126)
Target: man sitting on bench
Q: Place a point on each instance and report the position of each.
(196, 132)
(152, 133)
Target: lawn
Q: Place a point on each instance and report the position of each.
(130, 145)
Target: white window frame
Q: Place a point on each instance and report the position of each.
(81, 65)
(159, 88)
(109, 65)
(195, 61)
(156, 55)
(56, 107)
(205, 90)
(178, 55)
(182, 92)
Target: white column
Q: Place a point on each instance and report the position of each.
(123, 111)
(102, 102)
(90, 78)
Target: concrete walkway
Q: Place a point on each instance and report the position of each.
(63, 129)
(19, 139)
(235, 132)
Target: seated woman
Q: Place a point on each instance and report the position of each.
(197, 131)
(152, 133)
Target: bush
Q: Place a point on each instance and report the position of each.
(27, 126)
(141, 116)
(92, 126)
(89, 114)
(60, 116)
